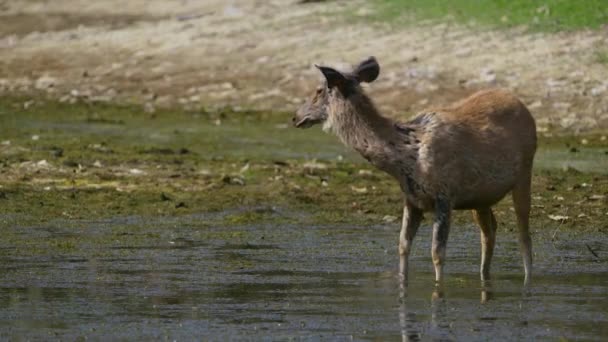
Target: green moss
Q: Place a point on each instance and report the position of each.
(181, 167)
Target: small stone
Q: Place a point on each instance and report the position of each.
(559, 218)
(389, 218)
(357, 190)
(45, 82)
(313, 165)
(43, 164)
(28, 104)
(149, 108)
(536, 104)
(597, 91)
(233, 180)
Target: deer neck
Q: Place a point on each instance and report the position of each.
(359, 125)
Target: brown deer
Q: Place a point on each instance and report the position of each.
(468, 155)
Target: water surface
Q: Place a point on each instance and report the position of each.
(288, 281)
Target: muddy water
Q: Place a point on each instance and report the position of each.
(183, 281)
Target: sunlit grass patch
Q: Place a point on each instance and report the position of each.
(549, 15)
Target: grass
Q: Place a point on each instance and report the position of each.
(546, 15)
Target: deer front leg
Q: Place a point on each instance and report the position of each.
(441, 230)
(487, 223)
(411, 221)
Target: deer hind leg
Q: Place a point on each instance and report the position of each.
(521, 201)
(487, 223)
(411, 221)
(441, 231)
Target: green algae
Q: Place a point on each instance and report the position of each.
(119, 161)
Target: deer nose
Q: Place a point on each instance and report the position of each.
(293, 120)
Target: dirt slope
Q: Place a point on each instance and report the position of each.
(259, 54)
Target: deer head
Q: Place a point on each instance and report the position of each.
(337, 86)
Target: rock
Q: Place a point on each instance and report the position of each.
(233, 180)
(559, 218)
(99, 148)
(389, 218)
(43, 164)
(357, 190)
(536, 104)
(149, 108)
(488, 76)
(45, 82)
(28, 104)
(597, 91)
(314, 166)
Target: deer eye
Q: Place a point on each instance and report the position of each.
(319, 90)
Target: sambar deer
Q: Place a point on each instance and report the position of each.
(468, 155)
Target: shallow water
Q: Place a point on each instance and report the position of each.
(585, 160)
(187, 282)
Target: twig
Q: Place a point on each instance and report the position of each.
(592, 251)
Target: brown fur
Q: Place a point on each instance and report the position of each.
(465, 156)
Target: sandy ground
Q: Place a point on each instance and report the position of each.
(259, 54)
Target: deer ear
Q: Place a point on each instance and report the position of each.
(334, 77)
(368, 70)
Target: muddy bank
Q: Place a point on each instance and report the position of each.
(85, 161)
